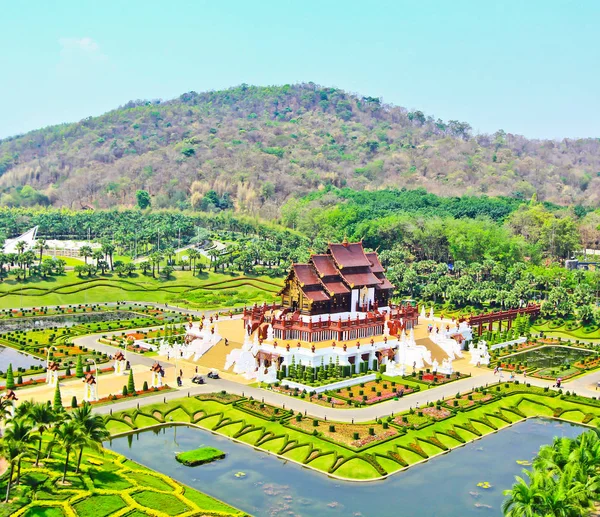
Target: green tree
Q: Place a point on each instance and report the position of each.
(42, 417)
(68, 435)
(92, 427)
(19, 431)
(130, 383)
(10, 378)
(79, 367)
(57, 405)
(143, 199)
(86, 252)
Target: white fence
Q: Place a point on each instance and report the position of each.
(334, 385)
(517, 341)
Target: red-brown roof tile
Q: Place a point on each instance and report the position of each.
(349, 255)
(335, 286)
(316, 296)
(376, 267)
(355, 280)
(324, 265)
(306, 274)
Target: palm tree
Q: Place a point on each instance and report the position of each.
(93, 429)
(86, 252)
(524, 499)
(5, 410)
(41, 245)
(42, 417)
(193, 255)
(19, 432)
(67, 435)
(11, 451)
(108, 249)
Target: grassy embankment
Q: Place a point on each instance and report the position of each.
(207, 290)
(366, 450)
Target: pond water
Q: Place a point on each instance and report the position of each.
(445, 486)
(550, 356)
(17, 359)
(63, 320)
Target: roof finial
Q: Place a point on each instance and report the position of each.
(345, 241)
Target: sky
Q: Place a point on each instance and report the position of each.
(528, 67)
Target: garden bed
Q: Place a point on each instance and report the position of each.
(373, 392)
(352, 435)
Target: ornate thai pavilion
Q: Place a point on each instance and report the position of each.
(345, 279)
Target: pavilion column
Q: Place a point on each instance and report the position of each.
(357, 363)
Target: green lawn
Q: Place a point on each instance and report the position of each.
(199, 456)
(410, 445)
(205, 290)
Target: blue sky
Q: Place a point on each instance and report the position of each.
(529, 67)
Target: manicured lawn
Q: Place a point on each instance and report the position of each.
(99, 505)
(167, 503)
(41, 511)
(207, 289)
(200, 456)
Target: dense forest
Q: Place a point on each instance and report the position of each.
(249, 149)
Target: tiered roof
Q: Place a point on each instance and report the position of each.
(344, 267)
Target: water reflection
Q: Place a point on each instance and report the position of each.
(550, 356)
(443, 487)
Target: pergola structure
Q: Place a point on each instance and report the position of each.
(485, 321)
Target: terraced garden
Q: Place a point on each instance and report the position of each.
(207, 290)
(108, 485)
(365, 450)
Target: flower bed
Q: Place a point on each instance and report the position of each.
(416, 419)
(372, 392)
(436, 413)
(262, 409)
(353, 435)
(221, 396)
(325, 400)
(470, 399)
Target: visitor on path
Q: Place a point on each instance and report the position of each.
(227, 342)
(512, 376)
(525, 373)
(196, 369)
(495, 370)
(180, 372)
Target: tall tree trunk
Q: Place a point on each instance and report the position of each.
(39, 452)
(19, 471)
(8, 485)
(79, 460)
(66, 466)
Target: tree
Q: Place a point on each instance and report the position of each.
(143, 199)
(145, 266)
(130, 384)
(167, 271)
(40, 244)
(57, 405)
(19, 432)
(42, 417)
(93, 429)
(10, 378)
(15, 446)
(68, 435)
(80, 269)
(79, 367)
(86, 252)
(108, 249)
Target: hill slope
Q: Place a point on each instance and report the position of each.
(256, 146)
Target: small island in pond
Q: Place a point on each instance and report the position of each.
(200, 456)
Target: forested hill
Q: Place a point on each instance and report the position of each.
(251, 148)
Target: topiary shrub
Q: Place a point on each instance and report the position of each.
(74, 402)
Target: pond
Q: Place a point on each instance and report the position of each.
(548, 356)
(63, 320)
(445, 486)
(17, 359)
